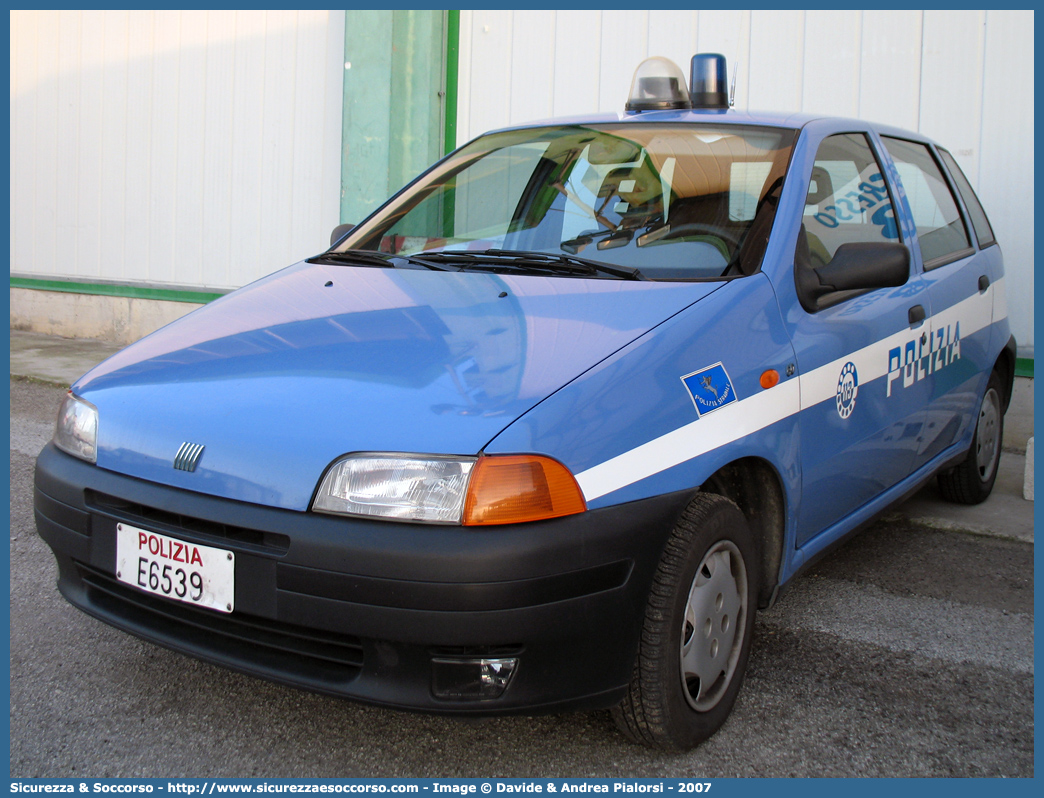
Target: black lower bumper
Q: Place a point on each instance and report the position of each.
(360, 608)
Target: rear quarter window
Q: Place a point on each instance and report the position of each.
(980, 223)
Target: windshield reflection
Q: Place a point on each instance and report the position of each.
(675, 202)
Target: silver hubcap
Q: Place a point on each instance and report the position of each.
(712, 632)
(986, 438)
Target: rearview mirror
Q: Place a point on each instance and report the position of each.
(340, 232)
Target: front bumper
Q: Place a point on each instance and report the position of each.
(359, 608)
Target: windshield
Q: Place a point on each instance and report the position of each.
(661, 201)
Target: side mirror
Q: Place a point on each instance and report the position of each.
(861, 266)
(340, 232)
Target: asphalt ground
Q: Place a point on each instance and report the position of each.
(908, 652)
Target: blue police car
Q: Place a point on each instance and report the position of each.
(547, 429)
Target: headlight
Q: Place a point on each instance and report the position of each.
(497, 489)
(77, 428)
(405, 487)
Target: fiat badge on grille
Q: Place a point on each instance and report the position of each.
(188, 456)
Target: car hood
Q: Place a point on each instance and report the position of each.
(280, 378)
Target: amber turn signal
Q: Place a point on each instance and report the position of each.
(512, 489)
(769, 378)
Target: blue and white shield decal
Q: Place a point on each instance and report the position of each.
(710, 388)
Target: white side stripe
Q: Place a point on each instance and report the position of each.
(1000, 300)
(728, 424)
(756, 412)
(820, 384)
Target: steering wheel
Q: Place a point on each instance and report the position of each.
(700, 229)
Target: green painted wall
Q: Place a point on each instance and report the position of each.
(396, 96)
(449, 136)
(128, 290)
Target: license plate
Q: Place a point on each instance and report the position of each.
(199, 575)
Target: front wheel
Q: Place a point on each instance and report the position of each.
(971, 482)
(697, 632)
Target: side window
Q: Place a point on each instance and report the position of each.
(847, 199)
(983, 231)
(940, 229)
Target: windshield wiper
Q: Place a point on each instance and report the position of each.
(371, 258)
(623, 272)
(531, 259)
(492, 258)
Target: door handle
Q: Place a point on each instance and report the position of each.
(916, 314)
(984, 282)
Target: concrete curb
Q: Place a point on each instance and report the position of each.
(1027, 480)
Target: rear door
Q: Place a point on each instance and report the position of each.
(954, 363)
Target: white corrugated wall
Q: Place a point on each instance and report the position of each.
(193, 148)
(202, 148)
(964, 78)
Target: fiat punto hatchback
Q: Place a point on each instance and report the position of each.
(547, 429)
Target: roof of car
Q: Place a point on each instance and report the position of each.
(730, 115)
(713, 115)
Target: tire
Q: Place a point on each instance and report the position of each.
(971, 482)
(699, 619)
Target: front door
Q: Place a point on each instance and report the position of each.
(859, 434)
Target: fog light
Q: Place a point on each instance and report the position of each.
(472, 679)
